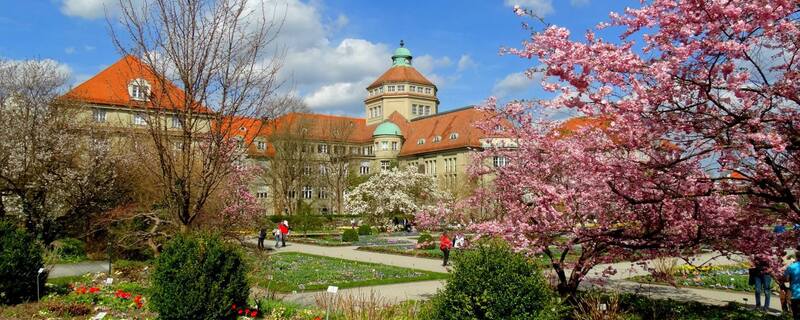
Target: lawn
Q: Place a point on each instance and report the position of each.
(298, 271)
(406, 250)
(727, 277)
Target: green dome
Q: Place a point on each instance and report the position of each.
(402, 52)
(387, 129)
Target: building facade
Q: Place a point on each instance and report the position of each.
(308, 160)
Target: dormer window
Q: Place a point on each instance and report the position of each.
(453, 136)
(437, 138)
(261, 145)
(139, 89)
(421, 141)
(176, 122)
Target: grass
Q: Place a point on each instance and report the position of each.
(727, 277)
(406, 251)
(294, 271)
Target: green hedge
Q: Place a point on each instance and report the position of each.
(493, 282)
(364, 230)
(20, 261)
(350, 235)
(198, 277)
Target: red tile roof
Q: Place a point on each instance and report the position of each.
(400, 74)
(110, 87)
(460, 121)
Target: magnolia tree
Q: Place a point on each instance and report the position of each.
(589, 196)
(717, 79)
(394, 192)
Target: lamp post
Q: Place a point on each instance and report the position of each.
(109, 257)
(38, 275)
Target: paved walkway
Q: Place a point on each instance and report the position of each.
(616, 282)
(77, 269)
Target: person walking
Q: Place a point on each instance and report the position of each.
(262, 234)
(445, 244)
(760, 278)
(284, 227)
(277, 233)
(792, 274)
(459, 242)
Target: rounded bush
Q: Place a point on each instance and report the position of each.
(20, 261)
(493, 282)
(198, 277)
(425, 237)
(364, 230)
(349, 235)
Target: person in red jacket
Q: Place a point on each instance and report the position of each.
(284, 227)
(445, 244)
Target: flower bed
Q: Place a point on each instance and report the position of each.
(727, 277)
(293, 271)
(337, 241)
(406, 250)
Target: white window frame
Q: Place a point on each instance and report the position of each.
(401, 87)
(99, 115)
(499, 161)
(385, 164)
(176, 122)
(139, 120)
(261, 145)
(384, 145)
(308, 192)
(395, 146)
(390, 88)
(139, 89)
(454, 136)
(421, 141)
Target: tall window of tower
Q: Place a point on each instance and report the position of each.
(390, 88)
(394, 146)
(414, 109)
(428, 91)
(419, 89)
(412, 88)
(384, 145)
(427, 110)
(401, 87)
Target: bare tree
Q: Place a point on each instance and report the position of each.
(338, 164)
(51, 172)
(218, 54)
(291, 165)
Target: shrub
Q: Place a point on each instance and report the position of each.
(69, 249)
(492, 282)
(198, 277)
(425, 237)
(364, 230)
(349, 235)
(20, 260)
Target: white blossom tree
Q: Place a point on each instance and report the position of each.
(394, 192)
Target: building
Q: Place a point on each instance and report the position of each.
(311, 159)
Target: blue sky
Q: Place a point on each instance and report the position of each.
(334, 48)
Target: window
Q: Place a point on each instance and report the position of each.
(291, 194)
(401, 88)
(176, 122)
(323, 193)
(139, 89)
(385, 165)
(394, 145)
(339, 149)
(261, 194)
(437, 138)
(412, 88)
(390, 88)
(307, 192)
(430, 167)
(177, 146)
(428, 91)
(369, 150)
(138, 119)
(353, 150)
(421, 141)
(453, 136)
(306, 170)
(322, 148)
(419, 89)
(499, 161)
(384, 145)
(323, 170)
(99, 115)
(261, 145)
(364, 168)
(380, 89)
(427, 110)
(414, 109)
(450, 165)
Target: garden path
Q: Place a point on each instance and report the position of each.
(616, 282)
(77, 269)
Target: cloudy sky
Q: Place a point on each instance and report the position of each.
(334, 48)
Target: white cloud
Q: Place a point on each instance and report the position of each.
(87, 9)
(351, 60)
(465, 62)
(341, 97)
(539, 7)
(579, 3)
(427, 63)
(69, 50)
(513, 85)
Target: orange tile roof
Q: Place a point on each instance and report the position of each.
(460, 121)
(581, 123)
(110, 87)
(249, 129)
(400, 74)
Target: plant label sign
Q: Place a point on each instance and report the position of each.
(109, 281)
(99, 316)
(333, 289)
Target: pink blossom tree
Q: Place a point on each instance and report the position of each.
(717, 79)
